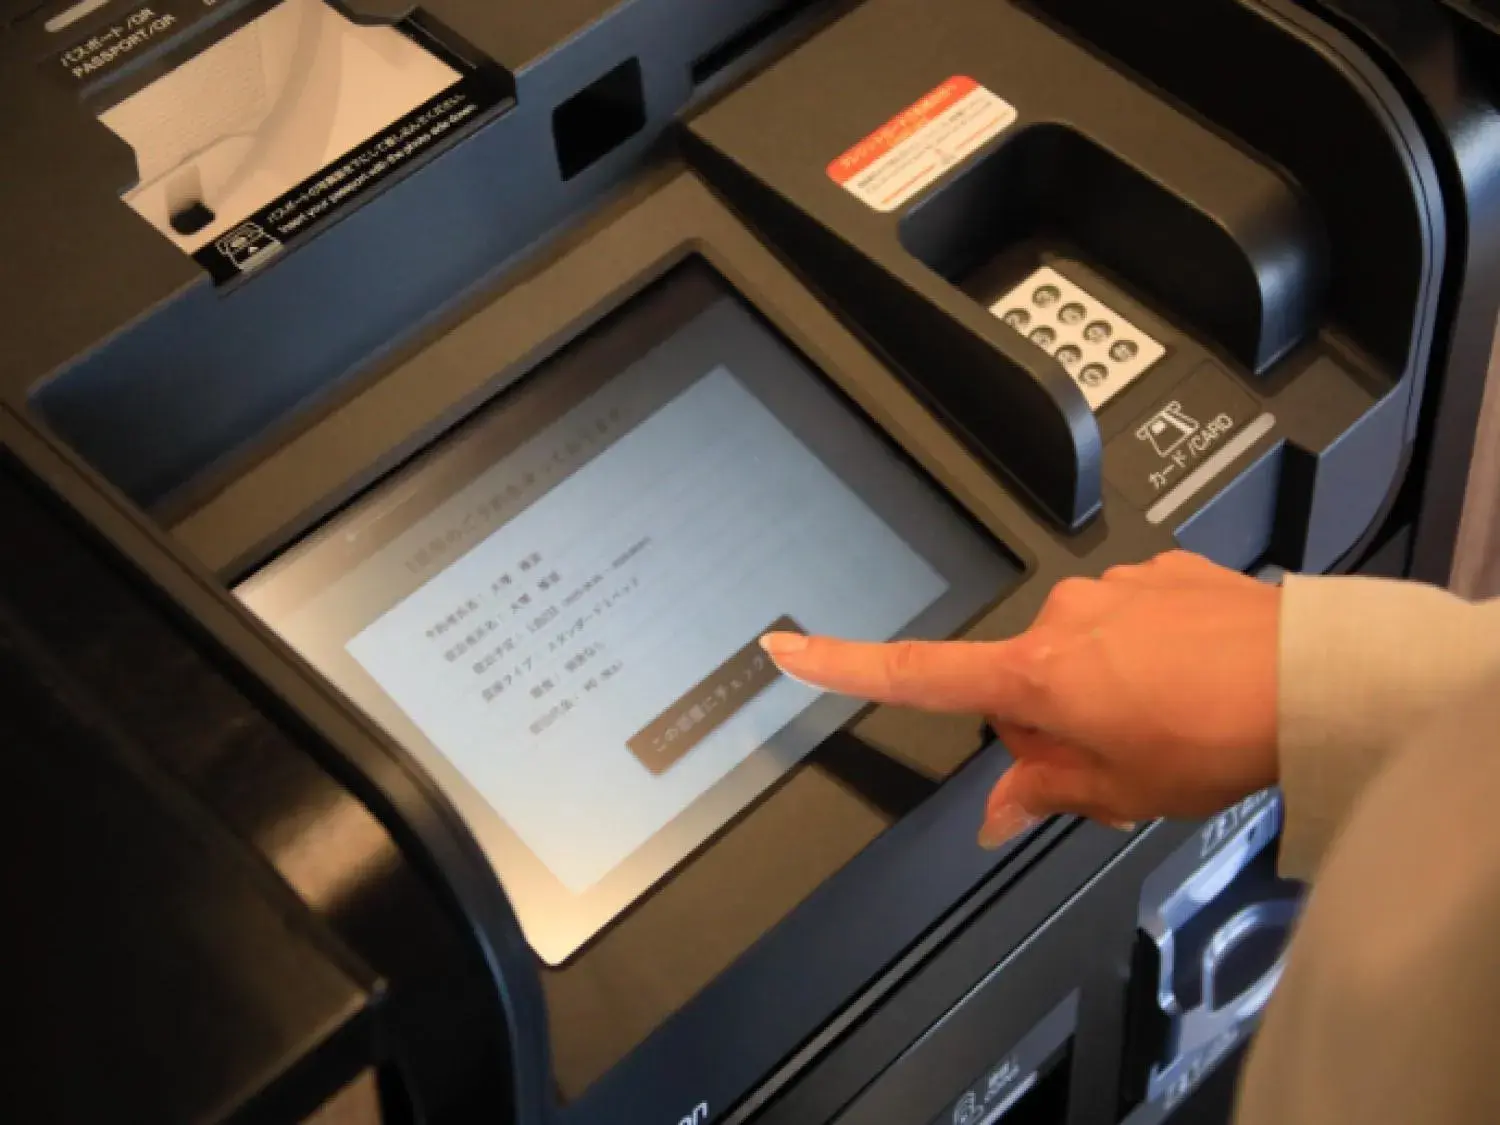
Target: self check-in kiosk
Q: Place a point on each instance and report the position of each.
(916, 312)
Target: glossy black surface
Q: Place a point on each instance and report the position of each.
(154, 683)
(156, 970)
(1447, 64)
(1013, 405)
(130, 330)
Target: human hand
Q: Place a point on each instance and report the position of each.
(1150, 692)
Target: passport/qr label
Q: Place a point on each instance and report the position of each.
(913, 150)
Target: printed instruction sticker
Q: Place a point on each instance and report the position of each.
(353, 177)
(912, 150)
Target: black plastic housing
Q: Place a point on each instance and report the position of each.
(1222, 222)
(153, 947)
(1272, 269)
(158, 376)
(1444, 56)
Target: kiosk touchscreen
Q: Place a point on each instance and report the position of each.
(557, 609)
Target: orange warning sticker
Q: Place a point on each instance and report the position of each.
(912, 150)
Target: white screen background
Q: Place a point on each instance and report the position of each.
(734, 523)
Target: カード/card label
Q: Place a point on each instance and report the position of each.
(1181, 434)
(913, 150)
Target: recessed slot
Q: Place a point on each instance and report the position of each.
(272, 104)
(191, 218)
(187, 213)
(1051, 186)
(1029, 1085)
(69, 16)
(599, 119)
(1043, 1101)
(1146, 1026)
(746, 39)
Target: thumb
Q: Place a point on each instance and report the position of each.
(1048, 787)
(1032, 790)
(1014, 805)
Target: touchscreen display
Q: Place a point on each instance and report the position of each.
(557, 609)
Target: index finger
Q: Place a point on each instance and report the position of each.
(959, 676)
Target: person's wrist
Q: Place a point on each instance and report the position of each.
(1246, 724)
(1263, 761)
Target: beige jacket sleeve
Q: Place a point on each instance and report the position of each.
(1388, 1012)
(1364, 663)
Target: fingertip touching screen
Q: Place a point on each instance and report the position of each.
(556, 608)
